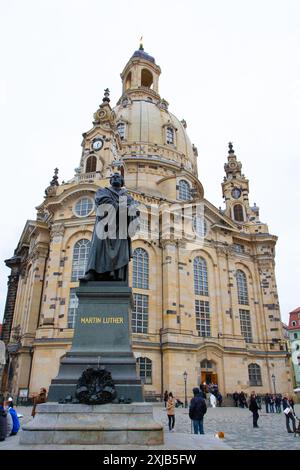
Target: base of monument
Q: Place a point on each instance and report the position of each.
(98, 424)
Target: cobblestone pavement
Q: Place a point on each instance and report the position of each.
(236, 424)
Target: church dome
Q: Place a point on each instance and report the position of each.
(151, 128)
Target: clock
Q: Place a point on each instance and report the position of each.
(236, 193)
(97, 144)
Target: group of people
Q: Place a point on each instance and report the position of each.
(197, 409)
(240, 399)
(287, 405)
(9, 418)
(276, 401)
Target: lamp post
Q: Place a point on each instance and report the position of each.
(185, 397)
(274, 380)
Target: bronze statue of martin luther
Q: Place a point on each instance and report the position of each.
(116, 221)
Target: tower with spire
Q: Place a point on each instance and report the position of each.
(235, 190)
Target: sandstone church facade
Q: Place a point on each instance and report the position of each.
(208, 309)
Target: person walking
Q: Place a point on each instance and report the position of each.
(37, 399)
(171, 411)
(197, 411)
(267, 402)
(235, 397)
(278, 404)
(289, 414)
(242, 399)
(253, 407)
(272, 403)
(166, 396)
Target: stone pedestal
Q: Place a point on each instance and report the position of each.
(102, 338)
(114, 424)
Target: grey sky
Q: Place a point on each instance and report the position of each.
(230, 68)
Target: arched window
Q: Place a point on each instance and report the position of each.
(145, 369)
(91, 164)
(184, 191)
(146, 78)
(238, 213)
(254, 373)
(200, 276)
(128, 81)
(242, 288)
(170, 135)
(140, 269)
(80, 257)
(121, 130)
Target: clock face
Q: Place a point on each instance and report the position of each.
(236, 193)
(97, 144)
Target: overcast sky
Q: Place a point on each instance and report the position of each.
(230, 68)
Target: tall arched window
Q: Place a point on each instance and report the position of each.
(80, 257)
(200, 276)
(140, 271)
(128, 81)
(238, 213)
(184, 190)
(242, 288)
(170, 135)
(146, 78)
(254, 373)
(121, 130)
(91, 164)
(145, 369)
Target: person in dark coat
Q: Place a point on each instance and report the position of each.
(242, 400)
(37, 399)
(289, 415)
(253, 407)
(166, 396)
(235, 397)
(197, 411)
(3, 420)
(202, 391)
(278, 403)
(267, 402)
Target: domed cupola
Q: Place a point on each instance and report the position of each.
(140, 76)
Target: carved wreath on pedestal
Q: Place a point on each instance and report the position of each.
(95, 387)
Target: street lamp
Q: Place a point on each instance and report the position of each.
(273, 380)
(185, 397)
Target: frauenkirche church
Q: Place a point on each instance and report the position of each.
(209, 309)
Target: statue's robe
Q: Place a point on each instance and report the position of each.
(108, 255)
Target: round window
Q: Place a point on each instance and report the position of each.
(84, 207)
(200, 226)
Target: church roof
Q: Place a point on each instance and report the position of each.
(143, 55)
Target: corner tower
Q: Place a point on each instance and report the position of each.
(235, 188)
